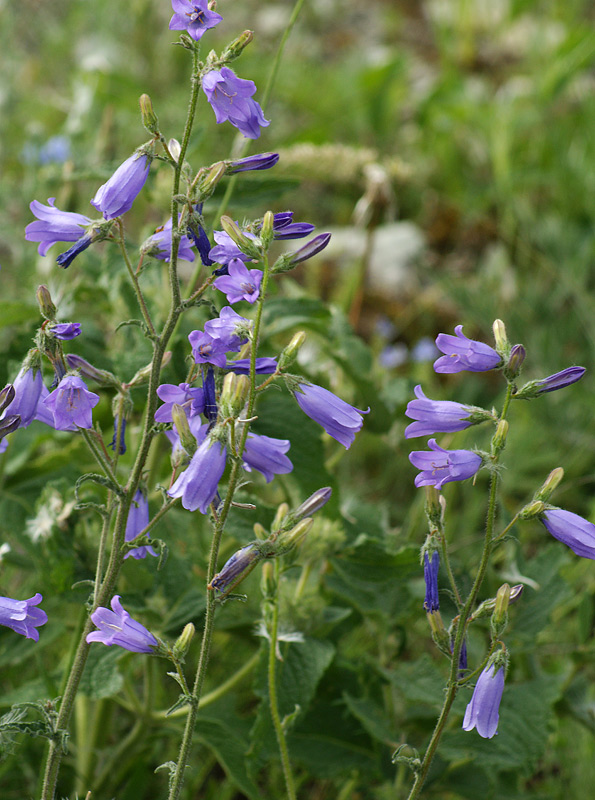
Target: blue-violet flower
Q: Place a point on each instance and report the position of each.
(71, 404)
(483, 710)
(338, 418)
(193, 16)
(138, 519)
(440, 466)
(431, 602)
(231, 99)
(461, 353)
(240, 283)
(267, 455)
(197, 485)
(54, 226)
(66, 330)
(22, 616)
(439, 416)
(116, 196)
(118, 627)
(572, 530)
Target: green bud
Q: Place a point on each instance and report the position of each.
(150, 120)
(550, 483)
(182, 644)
(266, 232)
(208, 182)
(293, 537)
(144, 373)
(289, 353)
(268, 583)
(259, 531)
(499, 439)
(499, 619)
(245, 244)
(180, 420)
(46, 306)
(532, 510)
(235, 48)
(500, 336)
(282, 512)
(233, 394)
(439, 632)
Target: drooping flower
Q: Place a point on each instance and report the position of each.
(431, 602)
(118, 627)
(572, 530)
(138, 519)
(461, 353)
(267, 455)
(116, 196)
(440, 466)
(338, 418)
(193, 16)
(234, 568)
(197, 485)
(192, 400)
(66, 330)
(159, 245)
(22, 616)
(53, 226)
(27, 386)
(310, 249)
(240, 283)
(483, 710)
(440, 416)
(71, 404)
(231, 99)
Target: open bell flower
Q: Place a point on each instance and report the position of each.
(266, 455)
(116, 196)
(193, 16)
(231, 100)
(440, 416)
(197, 485)
(23, 616)
(439, 466)
(240, 283)
(138, 519)
(462, 353)
(483, 711)
(572, 530)
(118, 627)
(71, 404)
(338, 418)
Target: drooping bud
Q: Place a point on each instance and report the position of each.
(515, 361)
(235, 48)
(289, 353)
(180, 420)
(183, 642)
(150, 120)
(288, 261)
(313, 504)
(235, 569)
(46, 305)
(252, 163)
(549, 485)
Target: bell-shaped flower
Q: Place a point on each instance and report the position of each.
(159, 245)
(71, 404)
(267, 455)
(461, 353)
(138, 519)
(240, 283)
(338, 418)
(65, 331)
(440, 416)
(483, 710)
(226, 249)
(116, 196)
(191, 399)
(572, 530)
(118, 627)
(53, 226)
(231, 99)
(28, 386)
(440, 466)
(193, 16)
(197, 485)
(23, 616)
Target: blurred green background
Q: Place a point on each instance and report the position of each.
(449, 147)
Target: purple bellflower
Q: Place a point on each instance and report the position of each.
(431, 602)
(71, 404)
(229, 328)
(208, 382)
(65, 331)
(138, 519)
(197, 485)
(226, 249)
(53, 226)
(240, 283)
(338, 418)
(439, 416)
(265, 365)
(572, 530)
(267, 455)
(159, 245)
(191, 400)
(207, 349)
(310, 249)
(231, 99)
(234, 567)
(552, 383)
(285, 228)
(193, 16)
(28, 386)
(483, 710)
(440, 466)
(22, 616)
(118, 627)
(461, 353)
(116, 196)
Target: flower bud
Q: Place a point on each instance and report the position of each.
(549, 485)
(267, 580)
(245, 244)
(267, 232)
(180, 420)
(259, 531)
(150, 120)
(439, 632)
(235, 48)
(293, 537)
(175, 148)
(515, 360)
(499, 439)
(46, 305)
(313, 504)
(6, 396)
(233, 394)
(252, 163)
(282, 512)
(532, 510)
(9, 424)
(208, 182)
(552, 383)
(183, 642)
(100, 376)
(235, 569)
(289, 353)
(144, 373)
(288, 261)
(499, 619)
(500, 336)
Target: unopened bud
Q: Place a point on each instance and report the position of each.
(499, 439)
(9, 424)
(267, 579)
(515, 360)
(259, 531)
(500, 335)
(549, 485)
(267, 232)
(499, 619)
(236, 568)
(289, 353)
(532, 510)
(296, 534)
(183, 642)
(100, 376)
(208, 183)
(180, 420)
(150, 120)
(233, 50)
(313, 504)
(46, 305)
(282, 512)
(175, 148)
(233, 394)
(245, 244)
(439, 632)
(288, 261)
(515, 592)
(144, 373)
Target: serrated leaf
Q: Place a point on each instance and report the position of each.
(101, 677)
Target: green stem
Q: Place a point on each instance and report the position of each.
(135, 283)
(272, 684)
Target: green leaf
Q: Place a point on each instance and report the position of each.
(101, 677)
